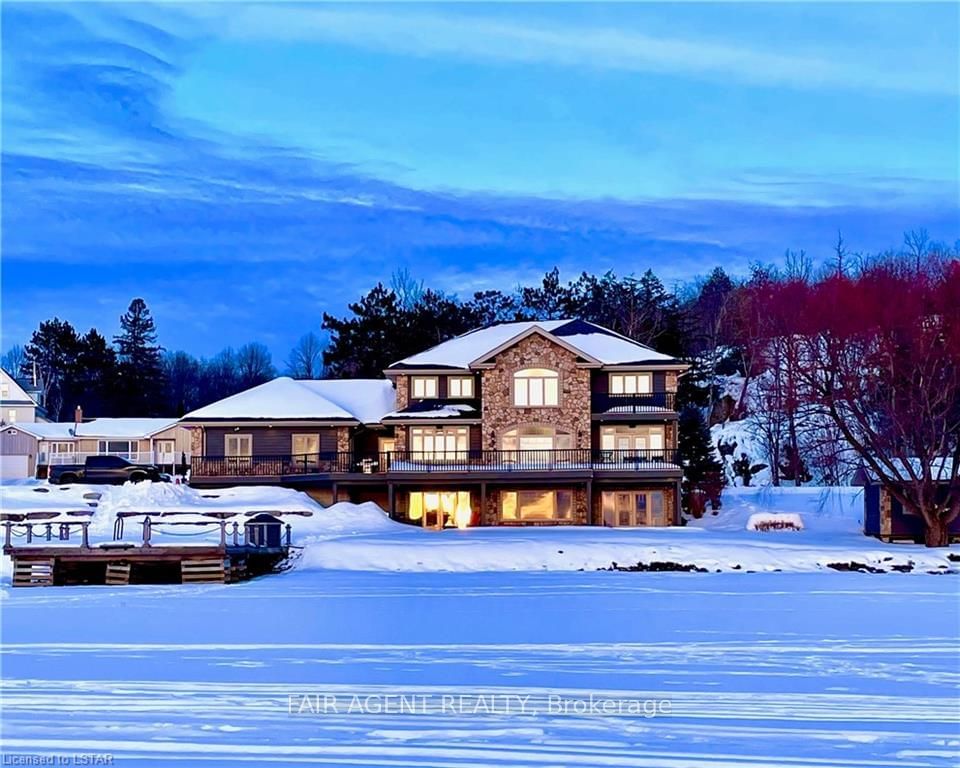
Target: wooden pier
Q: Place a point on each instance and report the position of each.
(52, 555)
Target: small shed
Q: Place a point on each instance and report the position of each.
(264, 531)
(884, 516)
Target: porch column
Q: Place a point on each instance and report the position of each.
(676, 505)
(483, 503)
(589, 502)
(333, 491)
(390, 501)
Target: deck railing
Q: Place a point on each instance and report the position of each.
(638, 403)
(559, 460)
(53, 458)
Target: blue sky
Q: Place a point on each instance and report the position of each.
(246, 167)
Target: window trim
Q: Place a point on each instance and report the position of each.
(518, 377)
(460, 379)
(624, 375)
(237, 436)
(293, 442)
(413, 387)
(433, 454)
(518, 507)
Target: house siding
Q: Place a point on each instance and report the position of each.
(277, 441)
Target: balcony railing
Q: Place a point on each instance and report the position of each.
(502, 461)
(634, 404)
(52, 458)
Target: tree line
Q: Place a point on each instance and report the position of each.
(835, 364)
(132, 375)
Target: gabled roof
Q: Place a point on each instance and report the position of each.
(592, 342)
(16, 394)
(106, 428)
(286, 399)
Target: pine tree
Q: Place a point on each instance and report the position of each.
(702, 472)
(140, 368)
(53, 349)
(93, 376)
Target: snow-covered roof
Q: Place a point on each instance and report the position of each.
(367, 400)
(941, 470)
(45, 430)
(363, 400)
(593, 341)
(124, 429)
(437, 410)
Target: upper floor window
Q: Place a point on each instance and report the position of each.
(630, 383)
(423, 386)
(536, 387)
(460, 386)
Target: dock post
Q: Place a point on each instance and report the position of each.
(289, 532)
(29, 533)
(146, 532)
(49, 532)
(6, 534)
(85, 541)
(223, 535)
(236, 534)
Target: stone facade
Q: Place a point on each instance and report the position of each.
(343, 440)
(403, 391)
(499, 412)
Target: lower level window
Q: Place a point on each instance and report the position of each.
(536, 505)
(441, 509)
(631, 508)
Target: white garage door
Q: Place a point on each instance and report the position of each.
(14, 467)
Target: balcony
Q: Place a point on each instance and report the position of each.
(638, 404)
(402, 462)
(65, 458)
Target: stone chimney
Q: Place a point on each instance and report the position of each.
(78, 415)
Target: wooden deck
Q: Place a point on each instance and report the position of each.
(41, 563)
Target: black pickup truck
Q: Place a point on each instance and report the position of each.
(105, 470)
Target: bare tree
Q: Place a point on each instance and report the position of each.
(14, 361)
(880, 355)
(407, 289)
(306, 358)
(254, 364)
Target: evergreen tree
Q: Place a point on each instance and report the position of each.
(702, 472)
(140, 368)
(93, 376)
(53, 349)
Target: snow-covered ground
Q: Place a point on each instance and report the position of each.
(828, 669)
(361, 537)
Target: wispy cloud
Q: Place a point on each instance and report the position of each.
(465, 35)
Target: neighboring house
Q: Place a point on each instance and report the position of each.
(17, 404)
(152, 441)
(548, 422)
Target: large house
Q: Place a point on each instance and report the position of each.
(528, 423)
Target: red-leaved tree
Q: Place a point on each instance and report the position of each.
(878, 355)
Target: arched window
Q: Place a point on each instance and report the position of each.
(536, 387)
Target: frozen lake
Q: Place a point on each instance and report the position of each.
(744, 670)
